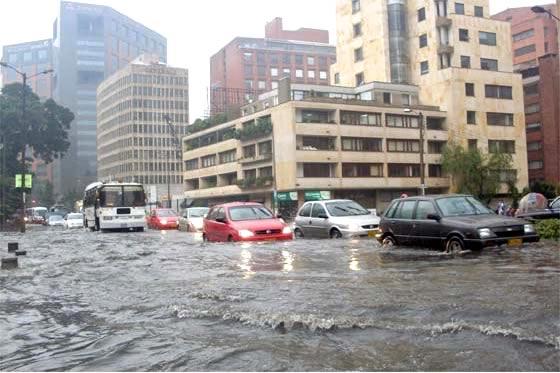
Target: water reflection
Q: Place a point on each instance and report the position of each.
(354, 262)
(288, 261)
(245, 264)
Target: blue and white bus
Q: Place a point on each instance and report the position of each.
(114, 206)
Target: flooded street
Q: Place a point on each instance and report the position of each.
(167, 301)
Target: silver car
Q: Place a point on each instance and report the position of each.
(192, 218)
(335, 219)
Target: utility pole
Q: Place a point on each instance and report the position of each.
(422, 166)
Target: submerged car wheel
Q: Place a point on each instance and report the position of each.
(298, 233)
(454, 245)
(389, 241)
(204, 237)
(335, 233)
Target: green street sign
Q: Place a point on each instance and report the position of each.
(18, 181)
(316, 195)
(27, 181)
(286, 196)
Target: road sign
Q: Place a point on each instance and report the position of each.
(286, 196)
(315, 195)
(18, 180)
(28, 181)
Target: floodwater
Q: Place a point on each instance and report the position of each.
(167, 301)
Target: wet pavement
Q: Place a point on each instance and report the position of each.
(166, 301)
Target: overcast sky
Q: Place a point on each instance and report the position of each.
(195, 29)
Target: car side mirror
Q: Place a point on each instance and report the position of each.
(322, 216)
(435, 217)
(221, 220)
(278, 216)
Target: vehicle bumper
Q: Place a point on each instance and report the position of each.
(372, 233)
(161, 226)
(271, 237)
(122, 223)
(479, 244)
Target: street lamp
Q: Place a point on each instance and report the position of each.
(421, 128)
(177, 144)
(24, 128)
(540, 9)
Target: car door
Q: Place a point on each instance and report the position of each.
(303, 220)
(401, 222)
(319, 226)
(221, 229)
(425, 232)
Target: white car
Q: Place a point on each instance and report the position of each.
(192, 219)
(74, 220)
(55, 221)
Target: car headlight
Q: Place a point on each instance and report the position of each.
(485, 233)
(529, 228)
(286, 230)
(244, 233)
(163, 221)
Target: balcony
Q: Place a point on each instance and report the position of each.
(445, 49)
(443, 21)
(257, 158)
(256, 183)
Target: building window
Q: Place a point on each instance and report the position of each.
(248, 84)
(401, 121)
(299, 59)
(191, 164)
(362, 170)
(274, 84)
(459, 8)
(355, 6)
(524, 50)
(469, 89)
(463, 34)
(403, 146)
(265, 148)
(387, 99)
(405, 99)
(249, 151)
(487, 38)
(359, 79)
(472, 144)
(531, 89)
(489, 64)
(435, 170)
(501, 146)
(261, 84)
(532, 127)
(315, 116)
(533, 108)
(466, 62)
(323, 75)
(260, 59)
(208, 161)
(523, 35)
(471, 117)
(436, 146)
(318, 170)
(286, 71)
(315, 143)
(423, 40)
(310, 60)
(42, 55)
(311, 74)
(357, 29)
(337, 78)
(534, 146)
(273, 71)
(273, 59)
(358, 54)
(228, 157)
(27, 56)
(478, 11)
(299, 73)
(360, 118)
(421, 14)
(498, 91)
(361, 144)
(403, 170)
(286, 59)
(535, 165)
(499, 119)
(424, 67)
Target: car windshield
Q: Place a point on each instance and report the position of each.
(75, 217)
(197, 213)
(346, 208)
(249, 213)
(457, 206)
(166, 213)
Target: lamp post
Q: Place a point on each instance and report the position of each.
(177, 145)
(540, 9)
(24, 130)
(422, 166)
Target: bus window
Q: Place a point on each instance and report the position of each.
(134, 196)
(110, 196)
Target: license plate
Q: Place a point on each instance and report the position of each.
(372, 234)
(515, 242)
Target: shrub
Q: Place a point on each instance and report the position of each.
(549, 229)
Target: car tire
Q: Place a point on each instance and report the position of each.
(205, 238)
(389, 241)
(335, 233)
(298, 233)
(454, 245)
(230, 238)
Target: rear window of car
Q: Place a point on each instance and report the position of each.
(75, 216)
(166, 213)
(249, 213)
(197, 213)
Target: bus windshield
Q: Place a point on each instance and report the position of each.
(121, 196)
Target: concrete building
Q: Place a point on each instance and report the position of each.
(90, 43)
(246, 67)
(535, 46)
(32, 58)
(460, 59)
(308, 142)
(135, 143)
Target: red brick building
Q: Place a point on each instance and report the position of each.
(246, 67)
(535, 56)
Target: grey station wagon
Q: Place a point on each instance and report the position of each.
(454, 222)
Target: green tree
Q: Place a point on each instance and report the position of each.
(44, 130)
(43, 193)
(69, 198)
(476, 173)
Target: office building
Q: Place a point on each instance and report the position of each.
(90, 43)
(535, 56)
(142, 112)
(460, 59)
(246, 67)
(305, 142)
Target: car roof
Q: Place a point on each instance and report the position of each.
(332, 200)
(238, 204)
(432, 196)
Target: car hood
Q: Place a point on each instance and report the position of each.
(358, 219)
(486, 221)
(258, 225)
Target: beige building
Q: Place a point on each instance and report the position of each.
(460, 59)
(142, 111)
(307, 142)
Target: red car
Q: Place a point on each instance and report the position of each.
(244, 221)
(163, 219)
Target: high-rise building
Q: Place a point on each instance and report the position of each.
(460, 59)
(246, 67)
(90, 43)
(142, 112)
(32, 58)
(535, 56)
